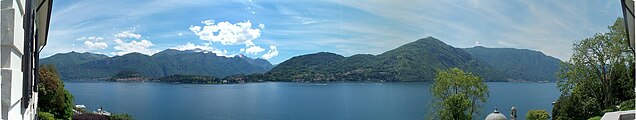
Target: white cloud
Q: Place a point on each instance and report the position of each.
(190, 46)
(179, 34)
(91, 38)
(262, 26)
(95, 45)
(271, 53)
(128, 34)
(133, 46)
(253, 50)
(227, 33)
(477, 43)
(208, 22)
(203, 48)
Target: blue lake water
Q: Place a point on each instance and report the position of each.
(293, 101)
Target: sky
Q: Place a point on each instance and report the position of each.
(277, 30)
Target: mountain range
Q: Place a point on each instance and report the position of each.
(74, 65)
(415, 61)
(419, 61)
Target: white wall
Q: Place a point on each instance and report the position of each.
(11, 51)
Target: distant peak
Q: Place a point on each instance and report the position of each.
(326, 53)
(428, 39)
(479, 46)
(134, 54)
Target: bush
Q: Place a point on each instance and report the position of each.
(537, 115)
(595, 118)
(45, 116)
(120, 117)
(627, 105)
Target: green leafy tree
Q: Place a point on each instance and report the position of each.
(598, 76)
(458, 95)
(537, 115)
(52, 97)
(45, 116)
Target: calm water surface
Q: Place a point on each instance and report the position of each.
(292, 101)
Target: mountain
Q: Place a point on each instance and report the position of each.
(165, 63)
(415, 61)
(72, 58)
(518, 64)
(421, 59)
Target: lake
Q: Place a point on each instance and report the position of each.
(293, 101)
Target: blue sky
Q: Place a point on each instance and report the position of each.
(280, 29)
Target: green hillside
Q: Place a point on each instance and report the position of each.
(518, 64)
(415, 61)
(166, 63)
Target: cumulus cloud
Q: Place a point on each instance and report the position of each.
(190, 46)
(128, 34)
(227, 33)
(93, 43)
(90, 45)
(271, 53)
(140, 46)
(202, 48)
(254, 50)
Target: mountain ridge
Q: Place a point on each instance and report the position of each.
(415, 61)
(161, 64)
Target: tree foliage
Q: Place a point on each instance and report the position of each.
(52, 97)
(537, 115)
(45, 116)
(627, 105)
(595, 118)
(598, 76)
(120, 117)
(457, 95)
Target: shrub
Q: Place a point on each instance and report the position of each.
(627, 105)
(120, 117)
(595, 118)
(537, 115)
(45, 116)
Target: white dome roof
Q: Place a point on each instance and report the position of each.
(496, 116)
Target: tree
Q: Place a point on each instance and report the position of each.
(598, 76)
(52, 97)
(45, 116)
(537, 115)
(458, 95)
